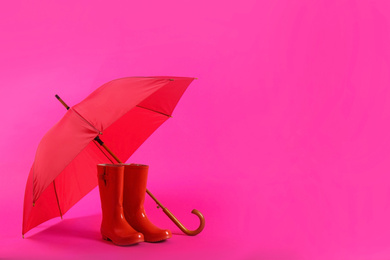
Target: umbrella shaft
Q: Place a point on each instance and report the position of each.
(62, 102)
(107, 149)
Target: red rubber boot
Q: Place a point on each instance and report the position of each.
(135, 179)
(114, 226)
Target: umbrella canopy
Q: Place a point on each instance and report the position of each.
(124, 112)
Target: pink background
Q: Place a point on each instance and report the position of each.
(282, 142)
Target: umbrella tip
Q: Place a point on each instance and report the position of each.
(171, 79)
(23, 236)
(33, 204)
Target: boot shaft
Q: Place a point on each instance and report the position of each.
(135, 181)
(110, 180)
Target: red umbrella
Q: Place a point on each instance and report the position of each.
(124, 113)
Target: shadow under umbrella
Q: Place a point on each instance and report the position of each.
(86, 227)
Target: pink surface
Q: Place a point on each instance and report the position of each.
(282, 142)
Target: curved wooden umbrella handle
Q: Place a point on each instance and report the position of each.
(180, 225)
(176, 221)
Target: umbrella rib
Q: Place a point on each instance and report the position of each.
(77, 113)
(58, 202)
(154, 111)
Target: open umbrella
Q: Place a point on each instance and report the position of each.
(120, 114)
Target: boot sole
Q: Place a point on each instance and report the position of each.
(121, 244)
(158, 240)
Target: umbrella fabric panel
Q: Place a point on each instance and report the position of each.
(165, 99)
(77, 180)
(128, 133)
(61, 144)
(115, 98)
(40, 212)
(79, 177)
